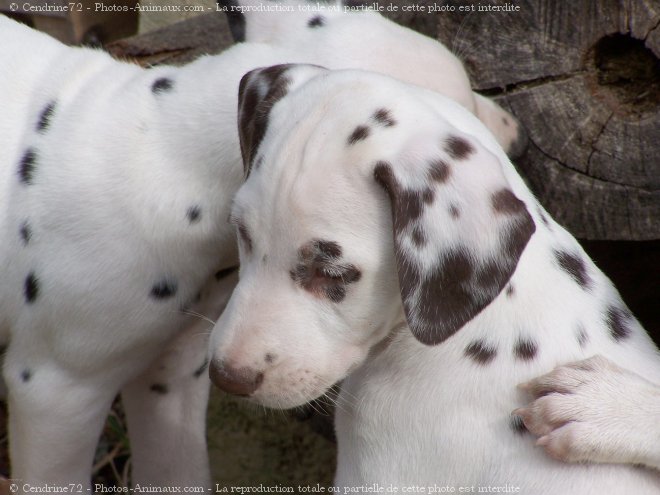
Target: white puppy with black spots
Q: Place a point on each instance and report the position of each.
(387, 240)
(115, 187)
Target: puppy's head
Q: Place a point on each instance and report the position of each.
(368, 204)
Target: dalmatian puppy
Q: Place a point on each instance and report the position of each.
(116, 185)
(386, 239)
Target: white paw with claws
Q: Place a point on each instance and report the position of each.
(595, 411)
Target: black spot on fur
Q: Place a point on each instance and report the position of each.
(164, 289)
(480, 352)
(162, 85)
(439, 171)
(159, 388)
(316, 21)
(194, 214)
(618, 320)
(582, 336)
(361, 132)
(269, 358)
(27, 166)
(510, 291)
(525, 349)
(31, 288)
(220, 274)
(505, 202)
(26, 375)
(574, 265)
(45, 116)
(25, 232)
(383, 117)
(517, 425)
(454, 212)
(199, 371)
(458, 148)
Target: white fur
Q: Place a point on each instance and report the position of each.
(408, 413)
(116, 171)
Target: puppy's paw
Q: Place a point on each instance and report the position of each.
(595, 411)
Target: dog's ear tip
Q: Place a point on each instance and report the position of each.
(434, 335)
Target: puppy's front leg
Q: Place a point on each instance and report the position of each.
(55, 419)
(166, 413)
(595, 411)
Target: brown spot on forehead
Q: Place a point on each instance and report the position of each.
(458, 148)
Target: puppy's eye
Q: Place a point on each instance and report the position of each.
(330, 273)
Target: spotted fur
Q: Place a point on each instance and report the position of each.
(27, 166)
(316, 22)
(360, 133)
(31, 288)
(574, 266)
(162, 85)
(432, 336)
(480, 352)
(45, 117)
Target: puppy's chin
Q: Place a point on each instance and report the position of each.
(287, 399)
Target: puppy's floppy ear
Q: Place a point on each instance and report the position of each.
(258, 92)
(459, 230)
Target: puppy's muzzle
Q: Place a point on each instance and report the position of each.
(236, 381)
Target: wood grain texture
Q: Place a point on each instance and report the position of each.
(594, 135)
(176, 44)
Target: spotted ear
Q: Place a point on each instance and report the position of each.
(258, 91)
(459, 231)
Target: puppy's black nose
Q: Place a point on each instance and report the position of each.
(241, 381)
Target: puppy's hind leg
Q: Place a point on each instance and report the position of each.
(166, 414)
(55, 419)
